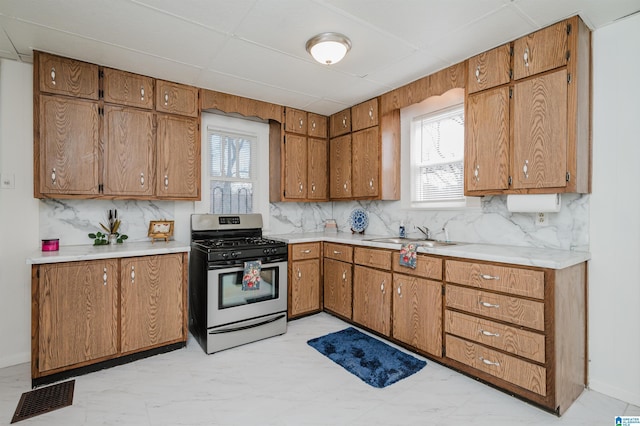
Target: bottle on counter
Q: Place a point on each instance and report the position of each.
(403, 232)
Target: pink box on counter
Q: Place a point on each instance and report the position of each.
(51, 245)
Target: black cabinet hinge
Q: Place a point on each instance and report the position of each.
(510, 74)
(444, 351)
(568, 78)
(101, 188)
(568, 29)
(510, 180)
(511, 51)
(510, 93)
(100, 94)
(568, 55)
(443, 290)
(101, 74)
(284, 194)
(100, 111)
(568, 176)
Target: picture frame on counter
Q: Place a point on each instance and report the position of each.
(160, 230)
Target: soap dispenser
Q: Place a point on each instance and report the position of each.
(403, 232)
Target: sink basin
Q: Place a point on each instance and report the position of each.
(419, 241)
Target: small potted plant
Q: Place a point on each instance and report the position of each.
(112, 235)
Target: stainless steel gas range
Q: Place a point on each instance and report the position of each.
(223, 312)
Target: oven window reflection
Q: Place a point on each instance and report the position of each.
(232, 294)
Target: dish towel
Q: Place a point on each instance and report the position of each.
(408, 255)
(251, 275)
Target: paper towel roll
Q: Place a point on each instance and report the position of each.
(533, 203)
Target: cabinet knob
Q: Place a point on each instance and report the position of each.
(299, 274)
(300, 187)
(313, 125)
(53, 76)
(344, 121)
(53, 176)
(301, 123)
(141, 179)
(344, 275)
(371, 183)
(525, 56)
(166, 98)
(478, 73)
(371, 113)
(104, 276)
(313, 187)
(133, 273)
(400, 290)
(476, 173)
(486, 361)
(166, 182)
(525, 169)
(382, 286)
(142, 93)
(345, 186)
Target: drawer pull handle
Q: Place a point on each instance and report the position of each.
(142, 93)
(489, 277)
(486, 361)
(307, 251)
(382, 286)
(299, 274)
(344, 275)
(488, 333)
(337, 252)
(489, 305)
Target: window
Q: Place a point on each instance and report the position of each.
(231, 173)
(437, 153)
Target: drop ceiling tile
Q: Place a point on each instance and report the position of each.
(595, 13)
(6, 48)
(408, 69)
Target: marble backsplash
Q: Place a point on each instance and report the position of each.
(492, 223)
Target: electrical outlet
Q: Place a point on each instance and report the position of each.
(7, 181)
(541, 219)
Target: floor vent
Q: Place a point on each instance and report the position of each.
(43, 400)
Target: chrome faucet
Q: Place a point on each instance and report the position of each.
(425, 231)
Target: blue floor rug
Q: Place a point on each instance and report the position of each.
(373, 361)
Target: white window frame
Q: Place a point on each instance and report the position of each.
(260, 159)
(432, 105)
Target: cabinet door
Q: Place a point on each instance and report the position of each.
(417, 313)
(541, 51)
(340, 123)
(295, 121)
(317, 164)
(489, 69)
(68, 146)
(305, 287)
(295, 166)
(178, 157)
(125, 88)
(175, 98)
(338, 287)
(540, 132)
(340, 167)
(128, 151)
(77, 313)
(151, 300)
(317, 126)
(364, 115)
(372, 299)
(66, 76)
(365, 163)
(486, 154)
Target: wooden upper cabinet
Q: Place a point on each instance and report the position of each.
(486, 144)
(340, 167)
(317, 187)
(489, 69)
(340, 123)
(125, 88)
(542, 50)
(364, 115)
(151, 301)
(128, 151)
(295, 170)
(174, 98)
(67, 147)
(295, 121)
(365, 159)
(540, 132)
(64, 76)
(178, 157)
(317, 126)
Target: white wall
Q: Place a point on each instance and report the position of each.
(18, 211)
(614, 272)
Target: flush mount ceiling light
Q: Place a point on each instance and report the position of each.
(328, 48)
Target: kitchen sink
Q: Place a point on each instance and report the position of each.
(419, 241)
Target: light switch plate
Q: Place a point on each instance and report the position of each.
(7, 181)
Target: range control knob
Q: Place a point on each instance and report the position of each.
(235, 253)
(265, 251)
(224, 255)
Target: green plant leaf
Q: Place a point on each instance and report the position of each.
(92, 235)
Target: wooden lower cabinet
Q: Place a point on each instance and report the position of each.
(338, 287)
(87, 312)
(304, 279)
(372, 298)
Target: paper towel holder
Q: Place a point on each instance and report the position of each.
(533, 203)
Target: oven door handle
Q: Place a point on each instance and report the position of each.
(247, 327)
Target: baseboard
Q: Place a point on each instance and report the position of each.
(15, 359)
(615, 392)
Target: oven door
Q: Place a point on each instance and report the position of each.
(229, 303)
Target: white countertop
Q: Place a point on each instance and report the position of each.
(91, 252)
(528, 256)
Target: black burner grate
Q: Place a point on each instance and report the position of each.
(43, 400)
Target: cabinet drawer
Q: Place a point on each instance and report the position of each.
(295, 121)
(125, 88)
(523, 312)
(372, 257)
(175, 98)
(304, 251)
(364, 115)
(317, 125)
(426, 266)
(340, 123)
(66, 76)
(509, 339)
(521, 373)
(521, 282)
(338, 252)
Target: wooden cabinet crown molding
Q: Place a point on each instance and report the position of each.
(212, 100)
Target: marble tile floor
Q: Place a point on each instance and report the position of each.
(283, 381)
